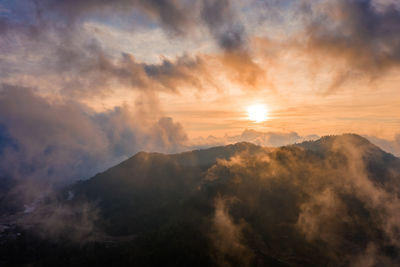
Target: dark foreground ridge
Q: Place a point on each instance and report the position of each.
(330, 202)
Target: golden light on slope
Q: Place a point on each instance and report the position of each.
(257, 113)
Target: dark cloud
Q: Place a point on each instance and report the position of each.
(359, 32)
(226, 27)
(184, 71)
(87, 70)
(223, 24)
(171, 14)
(91, 71)
(175, 16)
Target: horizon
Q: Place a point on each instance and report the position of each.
(261, 144)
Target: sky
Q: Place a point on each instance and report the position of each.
(85, 84)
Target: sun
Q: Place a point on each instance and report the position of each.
(257, 113)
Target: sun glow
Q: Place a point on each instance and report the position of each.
(257, 113)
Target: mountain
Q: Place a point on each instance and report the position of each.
(330, 202)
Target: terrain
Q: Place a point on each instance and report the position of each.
(330, 202)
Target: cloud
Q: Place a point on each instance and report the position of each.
(47, 143)
(177, 17)
(84, 69)
(391, 146)
(53, 220)
(371, 257)
(227, 236)
(359, 36)
(223, 24)
(266, 139)
(76, 62)
(101, 72)
(317, 216)
(353, 179)
(171, 14)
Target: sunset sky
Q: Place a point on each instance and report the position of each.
(87, 83)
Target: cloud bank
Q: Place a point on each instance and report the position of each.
(48, 143)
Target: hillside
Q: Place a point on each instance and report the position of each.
(330, 202)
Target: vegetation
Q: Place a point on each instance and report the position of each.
(330, 202)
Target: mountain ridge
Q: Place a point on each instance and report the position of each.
(324, 141)
(329, 201)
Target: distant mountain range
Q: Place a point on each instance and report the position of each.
(330, 202)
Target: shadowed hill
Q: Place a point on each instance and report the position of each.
(334, 201)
